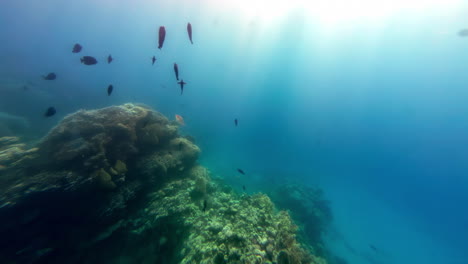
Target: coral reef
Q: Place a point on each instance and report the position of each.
(120, 185)
(309, 208)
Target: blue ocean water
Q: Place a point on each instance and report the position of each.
(369, 105)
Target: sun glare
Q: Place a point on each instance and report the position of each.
(334, 11)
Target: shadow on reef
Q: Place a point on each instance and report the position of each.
(120, 185)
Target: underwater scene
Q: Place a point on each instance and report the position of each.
(234, 131)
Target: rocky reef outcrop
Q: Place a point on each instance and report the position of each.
(310, 209)
(121, 185)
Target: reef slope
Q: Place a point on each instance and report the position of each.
(121, 185)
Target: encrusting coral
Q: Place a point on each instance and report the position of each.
(310, 209)
(120, 185)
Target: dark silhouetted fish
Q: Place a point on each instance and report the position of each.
(205, 205)
(243, 187)
(77, 48)
(189, 31)
(241, 171)
(50, 112)
(182, 83)
(176, 70)
(463, 32)
(109, 59)
(235, 122)
(50, 77)
(110, 89)
(153, 60)
(88, 60)
(162, 36)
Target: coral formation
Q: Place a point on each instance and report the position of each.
(309, 208)
(122, 179)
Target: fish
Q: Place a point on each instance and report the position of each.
(153, 60)
(88, 60)
(77, 48)
(162, 36)
(189, 31)
(205, 205)
(235, 122)
(463, 32)
(50, 112)
(176, 70)
(180, 119)
(50, 77)
(243, 187)
(109, 59)
(182, 83)
(241, 171)
(110, 89)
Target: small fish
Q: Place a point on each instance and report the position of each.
(153, 60)
(235, 122)
(189, 31)
(176, 70)
(205, 205)
(373, 247)
(50, 112)
(88, 60)
(162, 36)
(182, 83)
(110, 89)
(180, 119)
(241, 171)
(463, 32)
(109, 59)
(77, 48)
(50, 77)
(243, 187)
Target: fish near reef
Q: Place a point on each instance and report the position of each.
(50, 77)
(182, 83)
(180, 119)
(50, 112)
(109, 59)
(77, 48)
(241, 171)
(205, 205)
(176, 71)
(189, 31)
(110, 89)
(235, 122)
(153, 60)
(88, 60)
(162, 36)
